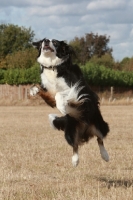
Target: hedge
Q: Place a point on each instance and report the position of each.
(18, 76)
(102, 76)
(94, 74)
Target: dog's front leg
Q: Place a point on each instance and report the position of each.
(45, 95)
(34, 90)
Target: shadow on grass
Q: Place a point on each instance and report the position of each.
(115, 183)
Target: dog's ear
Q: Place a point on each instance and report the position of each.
(37, 44)
(67, 48)
(64, 50)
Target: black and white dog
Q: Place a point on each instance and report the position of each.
(63, 86)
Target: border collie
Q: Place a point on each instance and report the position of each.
(63, 86)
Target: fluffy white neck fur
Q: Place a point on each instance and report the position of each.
(49, 59)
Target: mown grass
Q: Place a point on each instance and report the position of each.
(35, 160)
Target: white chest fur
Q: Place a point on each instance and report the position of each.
(53, 83)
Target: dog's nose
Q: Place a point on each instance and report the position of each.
(47, 42)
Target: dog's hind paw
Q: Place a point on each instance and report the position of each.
(51, 119)
(75, 160)
(105, 156)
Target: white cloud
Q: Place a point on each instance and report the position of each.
(131, 32)
(25, 3)
(65, 19)
(106, 5)
(62, 9)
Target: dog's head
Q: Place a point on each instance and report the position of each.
(53, 48)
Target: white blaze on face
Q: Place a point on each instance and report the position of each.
(42, 45)
(48, 50)
(52, 46)
(48, 55)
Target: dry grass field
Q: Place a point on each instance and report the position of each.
(35, 161)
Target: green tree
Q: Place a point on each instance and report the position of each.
(90, 45)
(20, 59)
(127, 64)
(14, 38)
(106, 60)
(125, 61)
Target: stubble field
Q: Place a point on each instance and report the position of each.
(35, 160)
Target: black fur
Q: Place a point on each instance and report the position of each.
(77, 129)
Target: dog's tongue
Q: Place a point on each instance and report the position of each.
(48, 47)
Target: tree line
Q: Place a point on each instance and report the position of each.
(18, 58)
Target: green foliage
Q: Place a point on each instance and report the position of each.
(89, 46)
(125, 61)
(127, 64)
(94, 74)
(102, 76)
(14, 38)
(105, 60)
(20, 76)
(2, 75)
(20, 59)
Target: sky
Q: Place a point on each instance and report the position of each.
(66, 19)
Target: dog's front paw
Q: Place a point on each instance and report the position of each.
(34, 90)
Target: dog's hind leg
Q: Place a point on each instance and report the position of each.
(100, 137)
(75, 157)
(103, 151)
(60, 123)
(57, 122)
(71, 135)
(68, 125)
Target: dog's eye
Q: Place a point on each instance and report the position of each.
(54, 43)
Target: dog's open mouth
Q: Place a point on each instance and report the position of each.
(47, 48)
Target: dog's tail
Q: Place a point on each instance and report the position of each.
(75, 100)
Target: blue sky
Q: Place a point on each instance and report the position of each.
(65, 19)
